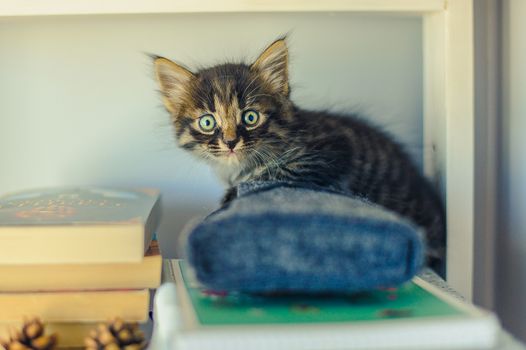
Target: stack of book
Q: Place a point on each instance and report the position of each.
(77, 257)
(415, 315)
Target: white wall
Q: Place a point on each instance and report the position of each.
(78, 102)
(511, 266)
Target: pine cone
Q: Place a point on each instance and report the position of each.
(115, 335)
(31, 336)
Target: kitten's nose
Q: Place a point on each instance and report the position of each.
(232, 143)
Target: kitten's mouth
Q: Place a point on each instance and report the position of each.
(230, 155)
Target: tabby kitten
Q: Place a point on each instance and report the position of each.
(241, 120)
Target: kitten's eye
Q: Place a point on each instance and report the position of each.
(207, 122)
(250, 117)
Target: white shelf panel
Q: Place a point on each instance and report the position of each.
(10, 8)
(449, 88)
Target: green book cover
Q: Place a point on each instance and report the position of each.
(408, 301)
(77, 206)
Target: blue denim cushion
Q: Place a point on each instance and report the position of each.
(297, 238)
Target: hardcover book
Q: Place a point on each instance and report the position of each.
(76, 306)
(413, 315)
(77, 225)
(49, 277)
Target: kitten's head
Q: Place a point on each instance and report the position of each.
(231, 113)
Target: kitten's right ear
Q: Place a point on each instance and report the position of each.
(173, 80)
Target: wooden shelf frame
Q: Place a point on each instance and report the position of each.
(449, 96)
(90, 7)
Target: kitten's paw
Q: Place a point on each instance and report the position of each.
(230, 195)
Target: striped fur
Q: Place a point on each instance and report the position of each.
(341, 152)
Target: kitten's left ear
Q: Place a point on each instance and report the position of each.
(273, 66)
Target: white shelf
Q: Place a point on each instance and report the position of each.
(449, 95)
(10, 8)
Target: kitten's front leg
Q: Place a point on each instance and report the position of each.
(230, 195)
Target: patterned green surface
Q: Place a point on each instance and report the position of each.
(406, 302)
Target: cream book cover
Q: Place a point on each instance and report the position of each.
(77, 225)
(49, 277)
(76, 306)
